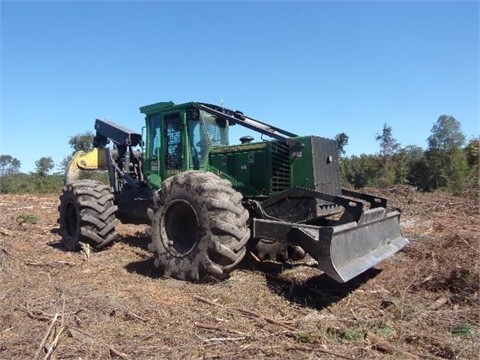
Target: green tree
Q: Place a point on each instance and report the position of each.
(412, 168)
(78, 142)
(446, 134)
(361, 171)
(9, 165)
(43, 166)
(388, 144)
(389, 148)
(472, 152)
(447, 162)
(81, 141)
(342, 141)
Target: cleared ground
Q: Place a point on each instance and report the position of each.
(422, 303)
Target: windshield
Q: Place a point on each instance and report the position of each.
(216, 130)
(205, 131)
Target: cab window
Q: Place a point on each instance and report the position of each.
(173, 139)
(155, 139)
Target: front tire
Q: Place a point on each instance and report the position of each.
(198, 226)
(87, 214)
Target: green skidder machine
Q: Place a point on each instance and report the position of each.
(208, 202)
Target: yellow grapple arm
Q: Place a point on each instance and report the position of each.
(95, 159)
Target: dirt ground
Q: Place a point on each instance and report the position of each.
(423, 303)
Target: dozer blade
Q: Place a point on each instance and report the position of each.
(342, 251)
(348, 250)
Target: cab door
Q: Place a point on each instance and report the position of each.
(153, 163)
(174, 158)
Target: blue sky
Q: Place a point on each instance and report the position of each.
(312, 67)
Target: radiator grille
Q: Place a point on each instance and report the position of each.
(280, 166)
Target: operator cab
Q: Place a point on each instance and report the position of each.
(179, 138)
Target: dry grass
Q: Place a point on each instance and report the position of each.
(420, 304)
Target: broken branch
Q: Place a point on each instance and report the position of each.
(110, 347)
(204, 300)
(47, 334)
(320, 350)
(270, 320)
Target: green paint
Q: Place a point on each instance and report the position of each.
(184, 137)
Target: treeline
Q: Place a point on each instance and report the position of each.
(42, 179)
(31, 184)
(450, 163)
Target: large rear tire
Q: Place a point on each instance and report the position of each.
(87, 214)
(198, 226)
